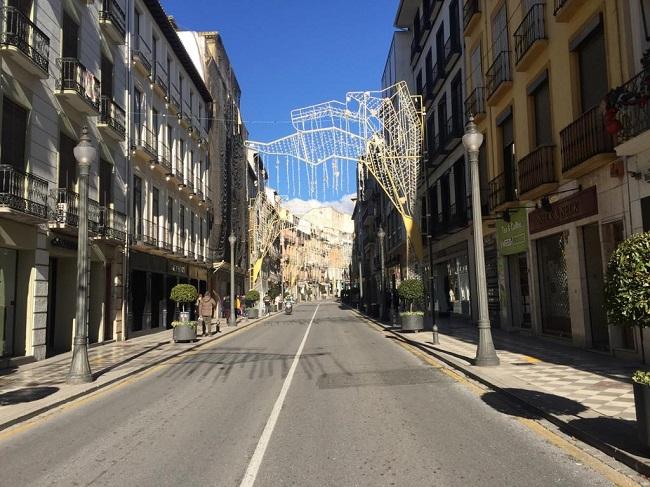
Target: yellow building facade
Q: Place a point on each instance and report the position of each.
(537, 75)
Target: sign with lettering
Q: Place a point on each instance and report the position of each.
(512, 236)
(567, 210)
(176, 268)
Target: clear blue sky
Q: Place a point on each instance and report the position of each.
(293, 53)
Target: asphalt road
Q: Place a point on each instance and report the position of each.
(354, 408)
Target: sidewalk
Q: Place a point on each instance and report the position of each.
(32, 389)
(586, 394)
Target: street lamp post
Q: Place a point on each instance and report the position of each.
(485, 353)
(381, 234)
(232, 239)
(85, 153)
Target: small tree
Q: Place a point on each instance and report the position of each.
(627, 285)
(274, 290)
(183, 294)
(252, 298)
(412, 292)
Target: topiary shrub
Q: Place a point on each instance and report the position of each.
(627, 284)
(183, 294)
(252, 298)
(412, 292)
(274, 290)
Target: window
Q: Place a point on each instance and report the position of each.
(169, 72)
(107, 77)
(440, 44)
(154, 51)
(155, 118)
(460, 188)
(70, 42)
(170, 219)
(541, 101)
(137, 205)
(105, 183)
(442, 119)
(592, 68)
(429, 66)
(475, 63)
(454, 20)
(14, 129)
(457, 103)
(418, 83)
(508, 156)
(182, 222)
(191, 100)
(499, 32)
(67, 163)
(24, 6)
(155, 211)
(138, 118)
(192, 234)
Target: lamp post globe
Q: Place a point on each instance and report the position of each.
(485, 353)
(232, 321)
(85, 153)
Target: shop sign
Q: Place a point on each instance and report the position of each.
(64, 243)
(512, 236)
(198, 273)
(176, 268)
(567, 210)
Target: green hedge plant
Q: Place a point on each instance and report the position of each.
(252, 298)
(183, 294)
(411, 291)
(191, 324)
(627, 284)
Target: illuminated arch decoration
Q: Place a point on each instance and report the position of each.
(381, 131)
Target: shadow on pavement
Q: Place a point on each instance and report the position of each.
(550, 403)
(28, 394)
(101, 372)
(617, 432)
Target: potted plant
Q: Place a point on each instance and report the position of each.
(274, 292)
(411, 291)
(627, 303)
(251, 299)
(184, 329)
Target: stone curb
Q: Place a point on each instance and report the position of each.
(612, 451)
(90, 390)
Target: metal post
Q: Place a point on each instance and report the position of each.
(233, 320)
(485, 353)
(381, 234)
(80, 367)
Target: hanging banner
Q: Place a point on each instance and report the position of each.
(512, 236)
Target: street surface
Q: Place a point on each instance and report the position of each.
(354, 408)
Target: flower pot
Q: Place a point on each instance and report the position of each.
(642, 405)
(184, 333)
(411, 322)
(253, 313)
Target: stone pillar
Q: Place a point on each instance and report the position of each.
(39, 297)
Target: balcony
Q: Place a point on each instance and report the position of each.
(475, 104)
(145, 233)
(530, 37)
(632, 116)
(502, 190)
(159, 77)
(21, 40)
(184, 116)
(113, 21)
(64, 212)
(173, 99)
(537, 173)
(436, 152)
(165, 159)
(167, 244)
(452, 51)
(416, 48)
(112, 119)
(564, 10)
(453, 133)
(78, 87)
(586, 145)
(178, 170)
(471, 16)
(499, 78)
(145, 143)
(458, 216)
(23, 196)
(141, 56)
(435, 80)
(189, 183)
(112, 225)
(431, 8)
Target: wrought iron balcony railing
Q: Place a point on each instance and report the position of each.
(159, 76)
(531, 30)
(23, 192)
(142, 53)
(174, 96)
(145, 138)
(165, 157)
(454, 129)
(111, 11)
(475, 102)
(503, 188)
(499, 72)
(178, 169)
(452, 50)
(113, 115)
(65, 209)
(19, 31)
(584, 138)
(631, 116)
(537, 168)
(75, 77)
(146, 231)
(112, 224)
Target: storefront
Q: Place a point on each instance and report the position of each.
(451, 283)
(514, 289)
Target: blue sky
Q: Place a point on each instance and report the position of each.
(293, 53)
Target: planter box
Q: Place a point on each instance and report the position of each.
(412, 322)
(184, 334)
(642, 405)
(253, 313)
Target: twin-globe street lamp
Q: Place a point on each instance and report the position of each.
(485, 353)
(232, 321)
(85, 153)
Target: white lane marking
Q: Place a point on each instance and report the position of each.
(258, 456)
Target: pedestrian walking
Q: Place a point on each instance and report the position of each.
(206, 310)
(237, 306)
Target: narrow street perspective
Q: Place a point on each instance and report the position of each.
(360, 410)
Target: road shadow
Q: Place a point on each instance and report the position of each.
(617, 432)
(103, 371)
(549, 403)
(27, 394)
